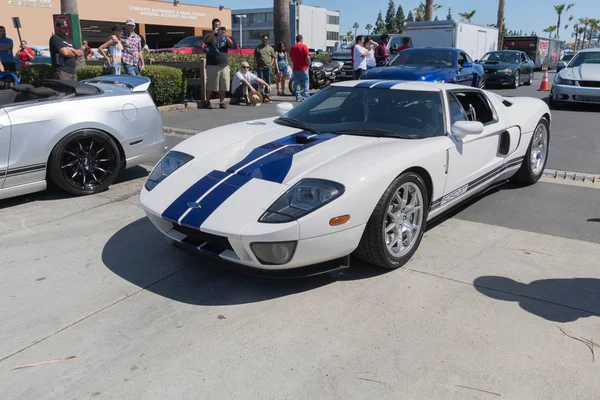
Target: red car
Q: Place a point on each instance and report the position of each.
(195, 45)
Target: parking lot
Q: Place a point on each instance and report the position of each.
(500, 301)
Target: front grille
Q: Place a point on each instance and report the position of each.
(200, 237)
(595, 84)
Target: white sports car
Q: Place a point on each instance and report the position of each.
(359, 168)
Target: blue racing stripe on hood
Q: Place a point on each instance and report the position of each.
(265, 149)
(197, 190)
(213, 200)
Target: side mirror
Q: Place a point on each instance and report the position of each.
(382, 64)
(461, 129)
(283, 108)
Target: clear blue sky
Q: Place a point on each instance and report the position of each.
(527, 15)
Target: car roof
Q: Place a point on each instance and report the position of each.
(396, 84)
(505, 51)
(593, 50)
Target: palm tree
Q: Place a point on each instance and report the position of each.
(549, 30)
(594, 27)
(428, 10)
(355, 27)
(281, 22)
(349, 36)
(368, 27)
(559, 10)
(421, 11)
(500, 23)
(467, 15)
(585, 22)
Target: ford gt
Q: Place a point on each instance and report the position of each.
(443, 65)
(76, 135)
(357, 169)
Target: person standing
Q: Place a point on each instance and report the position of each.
(282, 67)
(6, 51)
(300, 61)
(133, 59)
(370, 46)
(25, 55)
(63, 54)
(382, 53)
(360, 54)
(114, 49)
(264, 60)
(218, 75)
(405, 45)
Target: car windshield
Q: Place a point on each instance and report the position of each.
(567, 58)
(435, 58)
(191, 41)
(501, 56)
(588, 57)
(370, 112)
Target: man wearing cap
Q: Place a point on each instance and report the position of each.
(133, 58)
(63, 54)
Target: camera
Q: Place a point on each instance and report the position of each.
(222, 28)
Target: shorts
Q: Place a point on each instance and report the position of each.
(217, 78)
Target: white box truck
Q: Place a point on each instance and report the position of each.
(475, 40)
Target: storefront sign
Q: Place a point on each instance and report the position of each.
(31, 3)
(165, 13)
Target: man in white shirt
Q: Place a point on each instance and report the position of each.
(245, 81)
(360, 56)
(370, 46)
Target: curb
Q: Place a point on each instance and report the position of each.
(179, 131)
(192, 105)
(572, 176)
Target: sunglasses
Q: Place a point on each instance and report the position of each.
(245, 66)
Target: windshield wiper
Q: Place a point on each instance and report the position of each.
(297, 124)
(373, 132)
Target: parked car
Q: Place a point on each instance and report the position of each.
(578, 82)
(358, 168)
(195, 45)
(447, 65)
(78, 135)
(345, 55)
(507, 67)
(564, 61)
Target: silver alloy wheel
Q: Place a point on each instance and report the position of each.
(404, 221)
(539, 149)
(517, 79)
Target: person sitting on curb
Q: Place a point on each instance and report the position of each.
(245, 81)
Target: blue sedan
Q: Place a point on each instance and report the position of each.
(430, 64)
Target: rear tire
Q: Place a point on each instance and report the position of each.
(396, 227)
(536, 157)
(530, 80)
(85, 162)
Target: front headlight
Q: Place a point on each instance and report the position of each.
(561, 81)
(301, 199)
(171, 162)
(505, 71)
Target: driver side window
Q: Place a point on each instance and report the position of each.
(475, 106)
(523, 58)
(456, 111)
(461, 59)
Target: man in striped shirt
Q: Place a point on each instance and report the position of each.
(133, 58)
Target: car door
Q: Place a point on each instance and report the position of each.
(4, 144)
(472, 160)
(466, 72)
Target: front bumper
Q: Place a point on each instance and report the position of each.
(311, 256)
(575, 94)
(499, 79)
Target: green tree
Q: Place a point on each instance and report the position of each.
(400, 19)
(550, 30)
(436, 18)
(560, 8)
(390, 18)
(468, 16)
(368, 27)
(349, 36)
(449, 16)
(410, 17)
(355, 27)
(379, 24)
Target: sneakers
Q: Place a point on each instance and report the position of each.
(223, 105)
(209, 106)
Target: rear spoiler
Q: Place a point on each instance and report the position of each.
(135, 83)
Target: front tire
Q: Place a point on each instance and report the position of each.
(85, 162)
(396, 227)
(537, 155)
(517, 81)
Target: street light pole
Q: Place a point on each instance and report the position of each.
(241, 32)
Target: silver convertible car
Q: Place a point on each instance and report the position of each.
(76, 135)
(579, 81)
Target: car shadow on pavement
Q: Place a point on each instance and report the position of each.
(577, 107)
(558, 300)
(55, 193)
(140, 254)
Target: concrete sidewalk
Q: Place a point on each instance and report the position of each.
(481, 312)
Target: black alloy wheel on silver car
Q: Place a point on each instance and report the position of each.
(396, 227)
(85, 162)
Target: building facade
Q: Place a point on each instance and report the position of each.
(319, 26)
(161, 23)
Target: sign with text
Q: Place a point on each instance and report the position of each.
(166, 13)
(31, 3)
